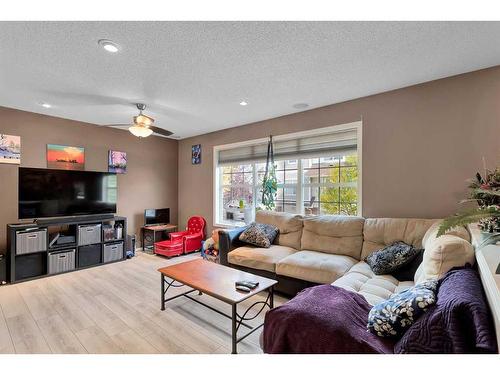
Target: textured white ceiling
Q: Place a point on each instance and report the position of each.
(194, 74)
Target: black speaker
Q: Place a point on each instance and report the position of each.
(3, 269)
(130, 246)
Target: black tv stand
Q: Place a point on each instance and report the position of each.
(31, 255)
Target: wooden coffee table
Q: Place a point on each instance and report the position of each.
(218, 282)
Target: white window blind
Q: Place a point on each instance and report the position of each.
(319, 145)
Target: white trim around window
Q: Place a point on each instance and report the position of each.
(358, 126)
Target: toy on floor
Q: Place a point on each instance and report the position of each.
(211, 247)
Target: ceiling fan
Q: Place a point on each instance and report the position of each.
(143, 125)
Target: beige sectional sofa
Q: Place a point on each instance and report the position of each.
(331, 250)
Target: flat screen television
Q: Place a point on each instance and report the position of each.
(47, 193)
(156, 216)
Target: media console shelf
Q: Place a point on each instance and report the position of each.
(63, 245)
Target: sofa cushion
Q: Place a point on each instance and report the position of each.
(340, 235)
(314, 266)
(378, 233)
(431, 233)
(258, 257)
(442, 254)
(289, 225)
(375, 288)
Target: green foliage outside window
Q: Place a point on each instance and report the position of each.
(343, 199)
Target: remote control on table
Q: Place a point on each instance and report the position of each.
(248, 284)
(242, 288)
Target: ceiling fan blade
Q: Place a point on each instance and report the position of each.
(117, 125)
(161, 131)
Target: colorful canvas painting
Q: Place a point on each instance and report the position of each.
(10, 149)
(196, 154)
(65, 157)
(117, 162)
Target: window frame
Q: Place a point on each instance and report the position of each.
(217, 198)
(328, 185)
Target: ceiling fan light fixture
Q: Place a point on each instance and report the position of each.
(140, 131)
(108, 45)
(143, 120)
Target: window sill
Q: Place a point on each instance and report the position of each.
(228, 226)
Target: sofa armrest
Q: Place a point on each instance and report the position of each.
(228, 241)
(176, 236)
(195, 236)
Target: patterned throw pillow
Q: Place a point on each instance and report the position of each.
(261, 235)
(393, 317)
(390, 258)
(407, 271)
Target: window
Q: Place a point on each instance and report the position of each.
(323, 178)
(237, 184)
(330, 185)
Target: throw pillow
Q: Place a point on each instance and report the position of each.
(431, 233)
(391, 258)
(407, 271)
(393, 317)
(445, 253)
(261, 235)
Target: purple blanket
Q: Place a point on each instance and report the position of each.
(460, 322)
(322, 319)
(329, 319)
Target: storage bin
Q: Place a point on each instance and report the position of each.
(32, 241)
(89, 255)
(61, 261)
(30, 265)
(89, 234)
(112, 252)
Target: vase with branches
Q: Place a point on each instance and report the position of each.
(485, 191)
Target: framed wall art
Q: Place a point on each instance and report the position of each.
(117, 162)
(10, 149)
(65, 157)
(196, 154)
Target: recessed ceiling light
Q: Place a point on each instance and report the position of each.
(300, 105)
(45, 105)
(243, 103)
(108, 45)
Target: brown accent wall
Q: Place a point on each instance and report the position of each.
(150, 181)
(420, 144)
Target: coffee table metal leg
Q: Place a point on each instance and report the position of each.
(271, 299)
(162, 292)
(234, 331)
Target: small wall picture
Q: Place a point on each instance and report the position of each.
(65, 157)
(196, 154)
(10, 149)
(117, 161)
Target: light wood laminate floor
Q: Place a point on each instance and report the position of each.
(114, 308)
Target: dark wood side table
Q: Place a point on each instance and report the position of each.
(155, 233)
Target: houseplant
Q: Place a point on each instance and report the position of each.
(269, 182)
(485, 190)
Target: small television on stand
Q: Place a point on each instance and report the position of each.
(156, 216)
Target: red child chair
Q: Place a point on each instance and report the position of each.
(192, 236)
